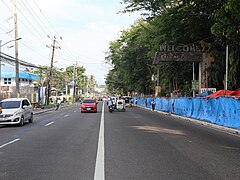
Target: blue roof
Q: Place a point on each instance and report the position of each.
(9, 72)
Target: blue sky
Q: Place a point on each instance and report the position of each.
(86, 28)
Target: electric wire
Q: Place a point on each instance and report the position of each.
(29, 12)
(7, 58)
(41, 21)
(23, 5)
(29, 23)
(28, 47)
(67, 48)
(45, 17)
(24, 24)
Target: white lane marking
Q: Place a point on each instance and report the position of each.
(99, 167)
(48, 124)
(74, 111)
(15, 140)
(66, 115)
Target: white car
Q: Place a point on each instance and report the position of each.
(15, 111)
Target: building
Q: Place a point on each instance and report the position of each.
(8, 76)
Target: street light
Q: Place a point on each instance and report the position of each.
(1, 45)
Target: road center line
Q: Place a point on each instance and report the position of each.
(48, 124)
(99, 167)
(66, 115)
(15, 140)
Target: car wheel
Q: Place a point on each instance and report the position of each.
(21, 123)
(31, 119)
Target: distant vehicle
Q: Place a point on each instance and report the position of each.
(100, 99)
(110, 109)
(120, 105)
(88, 105)
(15, 111)
(128, 100)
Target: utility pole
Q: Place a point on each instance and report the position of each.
(1, 69)
(49, 78)
(16, 49)
(74, 82)
(226, 76)
(194, 86)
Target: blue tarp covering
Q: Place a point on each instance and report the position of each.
(205, 93)
(9, 72)
(224, 111)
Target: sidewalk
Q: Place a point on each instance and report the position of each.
(46, 109)
(197, 121)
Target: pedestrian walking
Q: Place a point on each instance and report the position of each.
(153, 103)
(146, 102)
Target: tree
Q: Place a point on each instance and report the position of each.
(177, 22)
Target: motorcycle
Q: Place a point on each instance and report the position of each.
(110, 109)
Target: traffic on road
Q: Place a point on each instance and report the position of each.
(135, 144)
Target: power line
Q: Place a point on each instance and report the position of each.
(9, 59)
(24, 24)
(27, 46)
(23, 5)
(29, 23)
(45, 17)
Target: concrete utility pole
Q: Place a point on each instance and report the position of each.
(226, 77)
(49, 78)
(16, 49)
(74, 82)
(0, 68)
(193, 64)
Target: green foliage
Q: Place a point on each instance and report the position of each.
(177, 22)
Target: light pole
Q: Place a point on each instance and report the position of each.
(1, 45)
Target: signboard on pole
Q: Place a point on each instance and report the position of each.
(182, 53)
(195, 85)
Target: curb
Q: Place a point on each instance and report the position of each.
(200, 122)
(51, 109)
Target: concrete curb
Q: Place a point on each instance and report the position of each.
(40, 111)
(200, 122)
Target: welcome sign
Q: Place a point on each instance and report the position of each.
(182, 53)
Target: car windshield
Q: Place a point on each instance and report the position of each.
(88, 101)
(10, 104)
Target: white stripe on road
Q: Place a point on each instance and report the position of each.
(99, 167)
(66, 115)
(48, 124)
(9, 143)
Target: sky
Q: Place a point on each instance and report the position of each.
(82, 29)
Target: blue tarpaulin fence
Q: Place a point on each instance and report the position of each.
(224, 111)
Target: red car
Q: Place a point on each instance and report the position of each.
(89, 105)
(100, 98)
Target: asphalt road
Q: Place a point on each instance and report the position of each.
(136, 144)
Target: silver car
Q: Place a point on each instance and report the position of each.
(15, 111)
